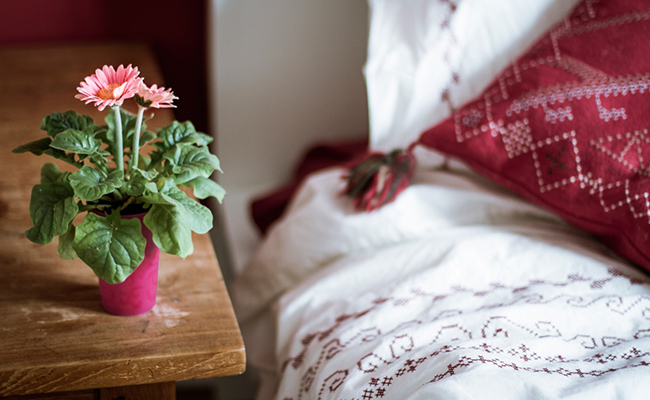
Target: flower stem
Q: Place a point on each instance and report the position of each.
(119, 146)
(135, 148)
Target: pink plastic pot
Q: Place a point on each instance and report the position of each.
(137, 294)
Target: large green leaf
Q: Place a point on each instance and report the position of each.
(206, 187)
(57, 122)
(112, 246)
(50, 173)
(146, 136)
(171, 233)
(52, 208)
(37, 147)
(63, 156)
(100, 162)
(197, 216)
(89, 184)
(182, 132)
(65, 249)
(176, 134)
(189, 162)
(137, 183)
(75, 141)
(42, 146)
(144, 163)
(156, 198)
(173, 217)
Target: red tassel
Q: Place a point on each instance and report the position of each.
(378, 178)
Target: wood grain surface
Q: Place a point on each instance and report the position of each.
(54, 334)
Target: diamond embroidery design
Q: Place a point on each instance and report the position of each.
(560, 163)
(516, 137)
(566, 125)
(627, 149)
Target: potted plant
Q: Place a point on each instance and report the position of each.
(135, 205)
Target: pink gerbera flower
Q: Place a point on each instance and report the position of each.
(154, 96)
(108, 87)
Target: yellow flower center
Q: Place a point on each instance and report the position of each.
(106, 93)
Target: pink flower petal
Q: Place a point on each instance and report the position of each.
(155, 97)
(108, 87)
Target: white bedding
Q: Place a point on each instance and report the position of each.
(458, 290)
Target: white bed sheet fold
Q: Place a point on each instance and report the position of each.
(458, 290)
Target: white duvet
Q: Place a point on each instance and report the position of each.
(458, 290)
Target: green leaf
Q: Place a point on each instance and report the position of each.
(89, 184)
(197, 216)
(99, 161)
(37, 147)
(206, 187)
(189, 162)
(63, 156)
(112, 246)
(42, 146)
(153, 197)
(151, 187)
(65, 249)
(170, 231)
(57, 122)
(165, 184)
(172, 218)
(182, 133)
(108, 138)
(144, 163)
(52, 209)
(175, 134)
(75, 141)
(50, 173)
(149, 174)
(137, 184)
(146, 137)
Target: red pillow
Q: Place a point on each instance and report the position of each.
(566, 125)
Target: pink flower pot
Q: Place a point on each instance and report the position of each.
(137, 294)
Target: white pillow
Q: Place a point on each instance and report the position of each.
(423, 51)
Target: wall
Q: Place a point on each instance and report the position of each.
(285, 74)
(288, 73)
(175, 30)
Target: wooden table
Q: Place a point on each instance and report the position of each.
(54, 334)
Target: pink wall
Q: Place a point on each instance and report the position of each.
(175, 29)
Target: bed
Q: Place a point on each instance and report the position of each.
(515, 263)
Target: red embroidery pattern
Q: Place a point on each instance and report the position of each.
(565, 125)
(455, 77)
(396, 352)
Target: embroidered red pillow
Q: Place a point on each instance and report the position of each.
(566, 125)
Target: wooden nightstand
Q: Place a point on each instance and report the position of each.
(54, 334)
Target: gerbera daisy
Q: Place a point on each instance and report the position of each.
(154, 96)
(108, 87)
(148, 97)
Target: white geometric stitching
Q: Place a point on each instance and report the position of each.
(634, 140)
